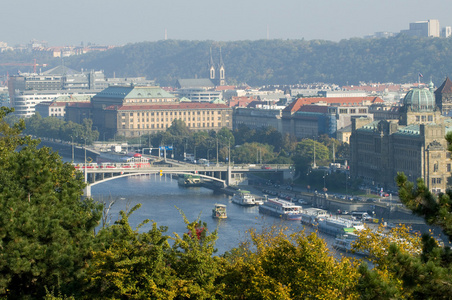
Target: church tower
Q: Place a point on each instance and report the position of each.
(211, 68)
(217, 71)
(221, 71)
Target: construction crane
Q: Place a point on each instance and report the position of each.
(34, 64)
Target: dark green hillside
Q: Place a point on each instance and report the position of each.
(262, 62)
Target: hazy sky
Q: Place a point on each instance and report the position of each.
(118, 22)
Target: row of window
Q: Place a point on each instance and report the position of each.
(436, 180)
(137, 120)
(352, 110)
(148, 100)
(424, 118)
(154, 126)
(166, 113)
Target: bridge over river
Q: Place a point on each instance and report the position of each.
(223, 175)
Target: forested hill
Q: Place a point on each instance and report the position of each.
(398, 59)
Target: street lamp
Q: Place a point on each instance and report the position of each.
(346, 185)
(229, 152)
(72, 146)
(217, 151)
(324, 181)
(86, 174)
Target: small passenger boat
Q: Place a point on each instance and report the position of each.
(282, 209)
(244, 198)
(219, 211)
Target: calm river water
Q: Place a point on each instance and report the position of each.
(161, 196)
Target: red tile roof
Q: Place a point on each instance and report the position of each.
(183, 105)
(79, 104)
(343, 101)
(446, 87)
(225, 87)
(314, 108)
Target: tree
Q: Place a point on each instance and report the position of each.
(133, 265)
(54, 128)
(179, 129)
(253, 153)
(399, 273)
(304, 155)
(46, 231)
(275, 265)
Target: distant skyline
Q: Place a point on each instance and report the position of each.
(115, 22)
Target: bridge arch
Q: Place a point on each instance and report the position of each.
(87, 191)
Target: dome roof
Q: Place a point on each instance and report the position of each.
(419, 100)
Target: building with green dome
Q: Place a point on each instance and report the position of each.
(414, 145)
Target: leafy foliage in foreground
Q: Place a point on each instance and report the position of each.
(401, 270)
(278, 265)
(46, 231)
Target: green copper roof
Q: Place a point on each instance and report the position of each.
(371, 126)
(419, 100)
(413, 129)
(134, 92)
(184, 99)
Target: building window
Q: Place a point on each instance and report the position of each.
(418, 119)
(448, 167)
(430, 118)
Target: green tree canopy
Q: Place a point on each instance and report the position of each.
(46, 230)
(304, 155)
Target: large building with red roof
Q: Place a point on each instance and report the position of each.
(132, 111)
(311, 117)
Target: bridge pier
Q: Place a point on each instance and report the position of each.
(87, 191)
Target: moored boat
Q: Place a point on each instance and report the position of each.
(219, 211)
(344, 242)
(311, 216)
(335, 226)
(244, 198)
(189, 180)
(282, 209)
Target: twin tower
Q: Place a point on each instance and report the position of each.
(216, 71)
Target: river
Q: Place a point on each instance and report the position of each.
(161, 197)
